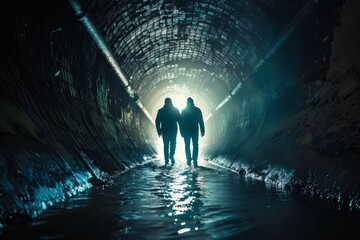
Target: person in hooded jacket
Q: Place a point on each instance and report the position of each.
(166, 122)
(190, 121)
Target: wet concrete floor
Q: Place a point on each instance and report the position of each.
(178, 202)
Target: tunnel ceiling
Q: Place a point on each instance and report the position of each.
(200, 48)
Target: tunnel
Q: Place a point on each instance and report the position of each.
(277, 81)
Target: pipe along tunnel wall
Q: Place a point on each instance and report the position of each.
(67, 123)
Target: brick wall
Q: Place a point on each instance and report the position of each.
(64, 118)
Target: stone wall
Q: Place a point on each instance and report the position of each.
(66, 122)
(297, 119)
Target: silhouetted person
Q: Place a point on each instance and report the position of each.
(190, 120)
(166, 122)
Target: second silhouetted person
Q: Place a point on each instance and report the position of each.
(190, 120)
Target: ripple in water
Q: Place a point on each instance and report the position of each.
(156, 202)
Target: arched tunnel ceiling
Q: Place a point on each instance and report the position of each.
(199, 48)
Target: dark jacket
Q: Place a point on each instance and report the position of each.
(191, 119)
(167, 119)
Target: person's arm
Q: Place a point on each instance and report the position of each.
(158, 123)
(201, 123)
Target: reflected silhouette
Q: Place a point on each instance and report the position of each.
(166, 122)
(190, 120)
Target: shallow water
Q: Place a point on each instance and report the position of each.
(156, 202)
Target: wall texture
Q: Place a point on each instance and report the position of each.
(296, 121)
(66, 122)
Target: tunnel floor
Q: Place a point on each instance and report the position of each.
(157, 202)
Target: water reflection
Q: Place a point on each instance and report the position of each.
(157, 202)
(184, 198)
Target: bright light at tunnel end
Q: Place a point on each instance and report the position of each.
(179, 101)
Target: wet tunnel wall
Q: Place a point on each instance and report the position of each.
(67, 122)
(296, 120)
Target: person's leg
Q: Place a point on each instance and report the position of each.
(172, 148)
(187, 149)
(195, 142)
(166, 148)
